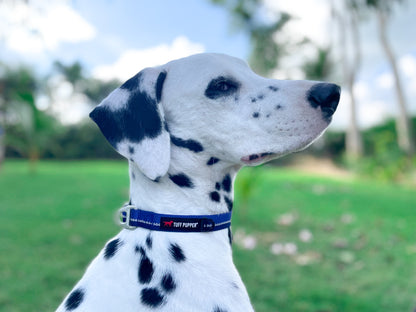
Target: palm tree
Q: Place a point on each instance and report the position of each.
(347, 20)
(383, 10)
(265, 52)
(18, 88)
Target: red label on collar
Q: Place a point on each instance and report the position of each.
(186, 224)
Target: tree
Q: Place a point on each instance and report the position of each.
(383, 10)
(94, 89)
(2, 129)
(18, 89)
(345, 15)
(320, 67)
(265, 50)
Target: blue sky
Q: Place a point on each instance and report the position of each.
(141, 24)
(119, 26)
(116, 39)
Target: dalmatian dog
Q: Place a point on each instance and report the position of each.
(186, 128)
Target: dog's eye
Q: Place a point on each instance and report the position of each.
(220, 87)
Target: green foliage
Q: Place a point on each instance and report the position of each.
(93, 88)
(96, 90)
(265, 51)
(383, 158)
(361, 258)
(79, 141)
(383, 5)
(19, 87)
(74, 73)
(33, 133)
(319, 68)
(25, 140)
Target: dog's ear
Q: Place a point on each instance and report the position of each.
(132, 120)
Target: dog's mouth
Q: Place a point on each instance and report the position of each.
(254, 159)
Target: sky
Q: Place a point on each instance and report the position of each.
(116, 39)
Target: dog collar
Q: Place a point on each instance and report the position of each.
(131, 218)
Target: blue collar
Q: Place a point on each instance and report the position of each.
(130, 218)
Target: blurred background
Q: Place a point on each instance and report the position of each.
(328, 229)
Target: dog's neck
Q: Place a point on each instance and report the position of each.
(196, 184)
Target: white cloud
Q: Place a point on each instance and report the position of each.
(132, 61)
(361, 89)
(407, 65)
(310, 18)
(341, 117)
(41, 25)
(385, 81)
(68, 105)
(369, 112)
(372, 113)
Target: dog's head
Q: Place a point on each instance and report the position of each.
(216, 100)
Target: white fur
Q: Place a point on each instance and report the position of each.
(228, 131)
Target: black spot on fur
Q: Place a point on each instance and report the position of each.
(74, 299)
(273, 88)
(181, 180)
(159, 85)
(131, 149)
(260, 96)
(229, 203)
(226, 183)
(253, 157)
(140, 109)
(230, 236)
(192, 145)
(212, 161)
(111, 248)
(151, 297)
(215, 196)
(217, 186)
(278, 106)
(256, 115)
(145, 270)
(167, 283)
(218, 309)
(133, 176)
(149, 241)
(177, 253)
(139, 249)
(253, 100)
(132, 84)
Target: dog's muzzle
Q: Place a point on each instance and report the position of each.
(326, 96)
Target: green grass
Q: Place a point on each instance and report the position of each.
(362, 254)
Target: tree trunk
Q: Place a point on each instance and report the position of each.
(351, 66)
(403, 125)
(2, 133)
(2, 145)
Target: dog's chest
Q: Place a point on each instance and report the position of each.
(161, 272)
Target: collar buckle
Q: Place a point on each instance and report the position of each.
(123, 217)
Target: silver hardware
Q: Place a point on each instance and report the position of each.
(123, 217)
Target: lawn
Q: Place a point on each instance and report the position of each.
(302, 242)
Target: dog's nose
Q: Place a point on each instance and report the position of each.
(326, 96)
